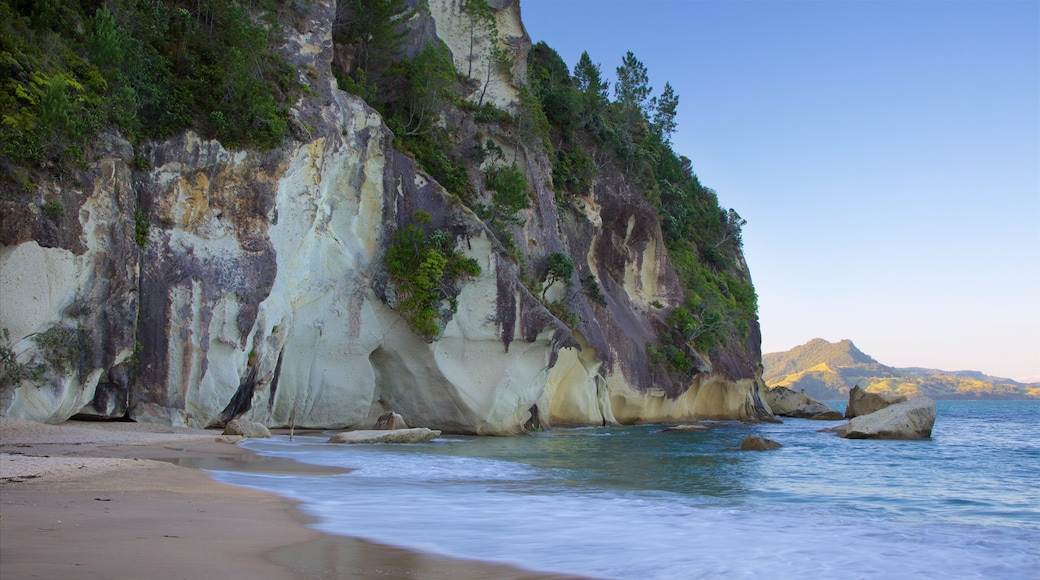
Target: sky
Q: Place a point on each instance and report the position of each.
(885, 154)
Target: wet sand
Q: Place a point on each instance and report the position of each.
(128, 500)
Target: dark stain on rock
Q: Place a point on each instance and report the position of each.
(274, 379)
(505, 305)
(242, 401)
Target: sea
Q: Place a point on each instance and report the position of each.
(636, 502)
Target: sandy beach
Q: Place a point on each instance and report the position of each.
(130, 500)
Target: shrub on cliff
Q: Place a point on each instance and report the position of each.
(424, 269)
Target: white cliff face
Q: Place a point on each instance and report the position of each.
(261, 291)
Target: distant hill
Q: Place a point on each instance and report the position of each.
(828, 370)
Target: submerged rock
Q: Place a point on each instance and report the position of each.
(756, 443)
(912, 419)
(416, 435)
(863, 403)
(789, 403)
(246, 428)
(686, 429)
(390, 421)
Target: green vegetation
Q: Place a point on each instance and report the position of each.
(424, 268)
(53, 209)
(147, 69)
(142, 229)
(593, 290)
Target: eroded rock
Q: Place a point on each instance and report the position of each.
(416, 435)
(863, 403)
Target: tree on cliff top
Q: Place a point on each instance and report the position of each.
(632, 88)
(593, 88)
(664, 113)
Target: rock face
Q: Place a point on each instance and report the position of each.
(911, 419)
(417, 435)
(261, 290)
(788, 403)
(863, 403)
(756, 443)
(246, 428)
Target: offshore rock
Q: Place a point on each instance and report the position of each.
(246, 428)
(912, 419)
(863, 403)
(788, 403)
(756, 443)
(417, 435)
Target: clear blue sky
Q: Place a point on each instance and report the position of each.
(885, 154)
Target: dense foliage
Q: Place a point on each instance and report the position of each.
(148, 69)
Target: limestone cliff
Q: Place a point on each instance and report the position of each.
(260, 290)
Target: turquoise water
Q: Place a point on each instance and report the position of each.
(634, 502)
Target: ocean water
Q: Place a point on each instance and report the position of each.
(634, 502)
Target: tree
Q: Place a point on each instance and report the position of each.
(593, 88)
(664, 113)
(430, 80)
(589, 79)
(558, 268)
(480, 18)
(510, 194)
(731, 227)
(632, 88)
(377, 28)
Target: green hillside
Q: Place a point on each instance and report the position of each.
(827, 371)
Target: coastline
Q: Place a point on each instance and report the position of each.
(118, 500)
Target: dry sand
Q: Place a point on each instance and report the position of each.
(115, 500)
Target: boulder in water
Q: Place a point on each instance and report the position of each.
(416, 435)
(863, 403)
(911, 419)
(756, 443)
